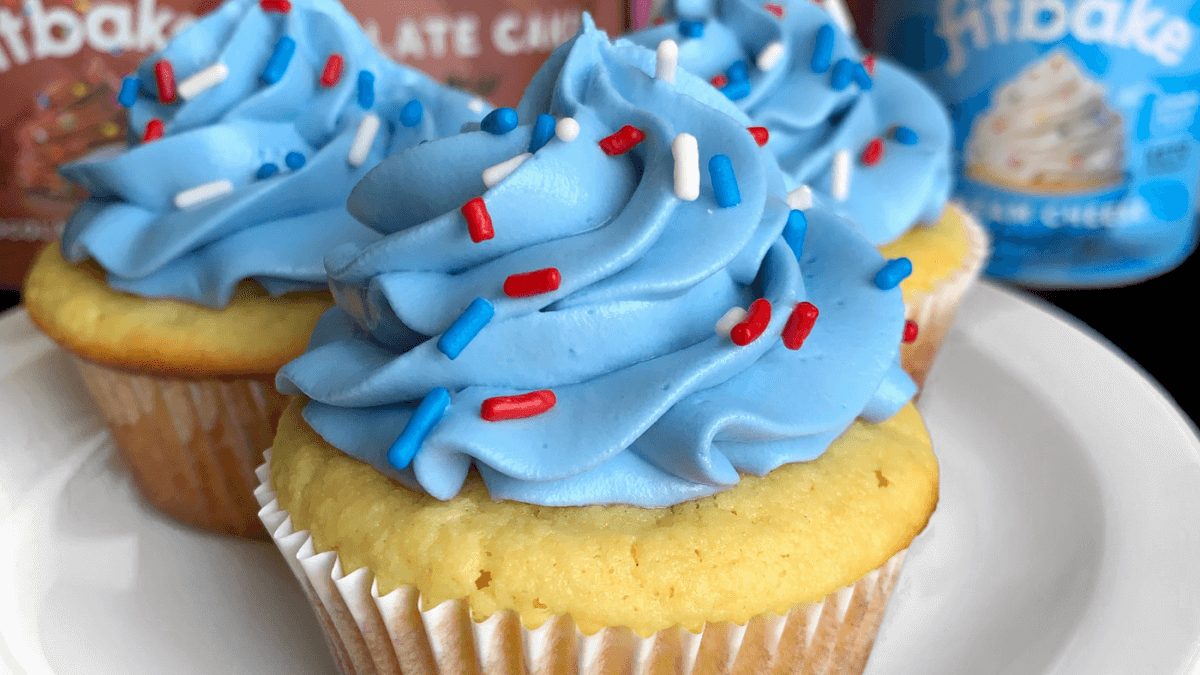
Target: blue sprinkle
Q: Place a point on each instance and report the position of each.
(724, 182)
(905, 136)
(861, 77)
(499, 121)
(424, 418)
(739, 71)
(294, 160)
(823, 49)
(543, 131)
(267, 170)
(466, 327)
(735, 91)
(843, 74)
(891, 274)
(411, 113)
(692, 29)
(794, 231)
(280, 58)
(366, 89)
(129, 91)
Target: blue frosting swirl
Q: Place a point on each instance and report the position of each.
(276, 229)
(809, 120)
(653, 407)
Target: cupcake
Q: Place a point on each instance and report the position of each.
(195, 269)
(612, 405)
(854, 134)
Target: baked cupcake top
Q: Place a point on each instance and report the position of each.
(869, 139)
(247, 133)
(556, 329)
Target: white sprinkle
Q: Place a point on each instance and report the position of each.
(770, 55)
(204, 80)
(841, 15)
(364, 138)
(732, 318)
(667, 59)
(800, 198)
(687, 167)
(840, 182)
(476, 105)
(497, 173)
(567, 129)
(202, 193)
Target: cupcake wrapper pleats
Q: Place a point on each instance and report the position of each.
(373, 635)
(191, 444)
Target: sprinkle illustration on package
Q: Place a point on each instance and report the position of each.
(1076, 128)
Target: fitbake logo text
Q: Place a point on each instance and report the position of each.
(1137, 25)
(58, 32)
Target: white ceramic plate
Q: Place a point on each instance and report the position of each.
(1066, 542)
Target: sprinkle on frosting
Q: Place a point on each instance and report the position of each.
(203, 81)
(724, 182)
(692, 29)
(129, 91)
(799, 325)
(281, 57)
(687, 167)
(910, 330)
(769, 57)
(203, 193)
(331, 74)
(479, 221)
(267, 170)
(466, 327)
(728, 320)
(775, 9)
(294, 160)
(500, 121)
(760, 134)
(622, 141)
(423, 420)
(276, 6)
(666, 59)
(500, 408)
(494, 174)
(528, 284)
(842, 75)
(905, 136)
(566, 129)
(411, 114)
(719, 80)
(154, 130)
(892, 273)
(794, 231)
(801, 198)
(476, 105)
(839, 185)
(861, 77)
(868, 64)
(366, 89)
(544, 126)
(753, 326)
(873, 152)
(822, 55)
(364, 138)
(164, 75)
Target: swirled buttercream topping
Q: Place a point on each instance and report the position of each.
(617, 378)
(795, 72)
(247, 133)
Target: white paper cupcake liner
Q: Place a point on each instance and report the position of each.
(934, 311)
(373, 635)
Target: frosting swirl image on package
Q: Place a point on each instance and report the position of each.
(1076, 128)
(584, 226)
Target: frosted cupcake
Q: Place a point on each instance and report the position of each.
(853, 134)
(195, 271)
(600, 396)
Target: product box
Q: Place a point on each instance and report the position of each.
(61, 64)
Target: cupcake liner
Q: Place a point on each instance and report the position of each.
(373, 635)
(191, 444)
(934, 311)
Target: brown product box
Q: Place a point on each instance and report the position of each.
(61, 64)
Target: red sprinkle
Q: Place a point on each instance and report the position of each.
(333, 70)
(869, 63)
(658, 21)
(532, 283)
(757, 318)
(799, 325)
(910, 330)
(500, 408)
(280, 6)
(760, 134)
(479, 221)
(775, 9)
(622, 141)
(719, 80)
(154, 130)
(873, 152)
(164, 72)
